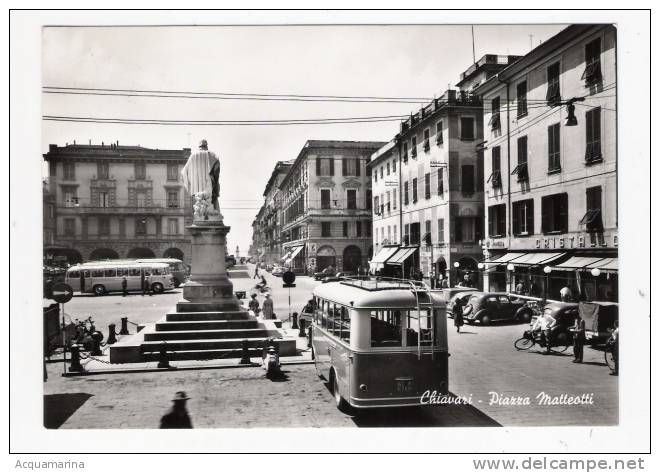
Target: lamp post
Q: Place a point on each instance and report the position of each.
(481, 267)
(547, 270)
(595, 273)
(456, 265)
(510, 268)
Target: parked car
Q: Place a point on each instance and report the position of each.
(230, 261)
(599, 318)
(278, 271)
(487, 307)
(463, 296)
(329, 271)
(338, 277)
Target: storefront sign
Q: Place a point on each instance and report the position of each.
(437, 164)
(495, 244)
(391, 183)
(577, 241)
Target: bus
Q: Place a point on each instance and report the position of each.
(178, 268)
(101, 277)
(380, 343)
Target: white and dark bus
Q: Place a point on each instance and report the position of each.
(101, 277)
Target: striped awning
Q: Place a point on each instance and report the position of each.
(402, 255)
(505, 258)
(535, 259)
(577, 263)
(606, 264)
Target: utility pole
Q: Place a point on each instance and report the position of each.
(474, 58)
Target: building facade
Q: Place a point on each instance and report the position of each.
(551, 168)
(326, 207)
(428, 186)
(270, 218)
(119, 202)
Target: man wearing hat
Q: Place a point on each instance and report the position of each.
(268, 307)
(254, 305)
(177, 417)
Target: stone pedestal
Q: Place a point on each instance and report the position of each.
(208, 284)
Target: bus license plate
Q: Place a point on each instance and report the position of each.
(404, 385)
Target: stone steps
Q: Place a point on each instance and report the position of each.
(206, 325)
(196, 344)
(216, 354)
(213, 315)
(206, 334)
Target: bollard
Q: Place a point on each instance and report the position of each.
(112, 335)
(245, 356)
(302, 331)
(96, 344)
(75, 360)
(309, 337)
(163, 362)
(124, 326)
(294, 324)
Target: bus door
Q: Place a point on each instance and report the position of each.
(322, 352)
(73, 279)
(134, 279)
(112, 282)
(339, 354)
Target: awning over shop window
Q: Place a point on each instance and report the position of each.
(505, 258)
(286, 256)
(535, 259)
(577, 262)
(402, 255)
(606, 264)
(296, 251)
(383, 255)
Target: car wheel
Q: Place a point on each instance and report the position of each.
(157, 287)
(523, 315)
(176, 282)
(99, 289)
(340, 402)
(485, 319)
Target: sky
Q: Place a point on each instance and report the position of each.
(384, 61)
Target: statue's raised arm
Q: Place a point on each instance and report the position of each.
(201, 178)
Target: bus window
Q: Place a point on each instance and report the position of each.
(135, 272)
(324, 314)
(416, 324)
(122, 272)
(147, 271)
(86, 273)
(156, 271)
(345, 325)
(74, 274)
(110, 273)
(97, 273)
(384, 333)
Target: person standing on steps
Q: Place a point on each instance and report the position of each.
(254, 305)
(267, 309)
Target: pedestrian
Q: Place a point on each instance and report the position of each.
(146, 286)
(458, 314)
(256, 271)
(614, 342)
(520, 287)
(579, 337)
(254, 305)
(124, 286)
(177, 417)
(565, 294)
(267, 309)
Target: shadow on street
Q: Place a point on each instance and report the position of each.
(59, 407)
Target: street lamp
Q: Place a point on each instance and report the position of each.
(595, 272)
(547, 270)
(456, 265)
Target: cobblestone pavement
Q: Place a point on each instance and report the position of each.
(483, 361)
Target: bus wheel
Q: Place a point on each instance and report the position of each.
(340, 402)
(157, 287)
(99, 289)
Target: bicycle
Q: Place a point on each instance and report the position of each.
(533, 337)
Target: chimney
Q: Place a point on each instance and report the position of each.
(102, 144)
(74, 142)
(90, 142)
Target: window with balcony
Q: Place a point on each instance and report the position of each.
(553, 94)
(344, 229)
(464, 229)
(376, 207)
(497, 220)
(593, 153)
(325, 166)
(381, 172)
(467, 128)
(554, 213)
(172, 172)
(69, 227)
(521, 168)
(141, 199)
(358, 229)
(351, 199)
(406, 234)
(104, 199)
(496, 176)
(70, 197)
(415, 233)
(521, 99)
(388, 202)
(140, 171)
(592, 73)
(326, 229)
(428, 239)
(405, 193)
(172, 199)
(593, 218)
(69, 171)
(467, 179)
(438, 133)
(394, 199)
(441, 230)
(441, 182)
(394, 165)
(102, 170)
(414, 190)
(325, 198)
(427, 140)
(427, 185)
(140, 226)
(522, 217)
(554, 154)
(104, 226)
(494, 121)
(413, 147)
(388, 168)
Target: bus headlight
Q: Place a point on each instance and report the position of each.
(363, 387)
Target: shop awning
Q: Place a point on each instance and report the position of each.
(293, 252)
(383, 255)
(286, 256)
(576, 262)
(606, 264)
(402, 255)
(505, 258)
(535, 259)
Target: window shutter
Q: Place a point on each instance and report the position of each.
(563, 212)
(332, 166)
(358, 162)
(530, 216)
(515, 221)
(501, 220)
(545, 209)
(318, 166)
(458, 234)
(344, 167)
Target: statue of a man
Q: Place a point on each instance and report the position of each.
(201, 175)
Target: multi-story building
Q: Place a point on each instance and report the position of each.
(551, 168)
(119, 202)
(428, 185)
(271, 216)
(326, 206)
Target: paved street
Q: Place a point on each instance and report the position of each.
(483, 361)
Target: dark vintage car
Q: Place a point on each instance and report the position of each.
(338, 277)
(329, 271)
(487, 307)
(560, 313)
